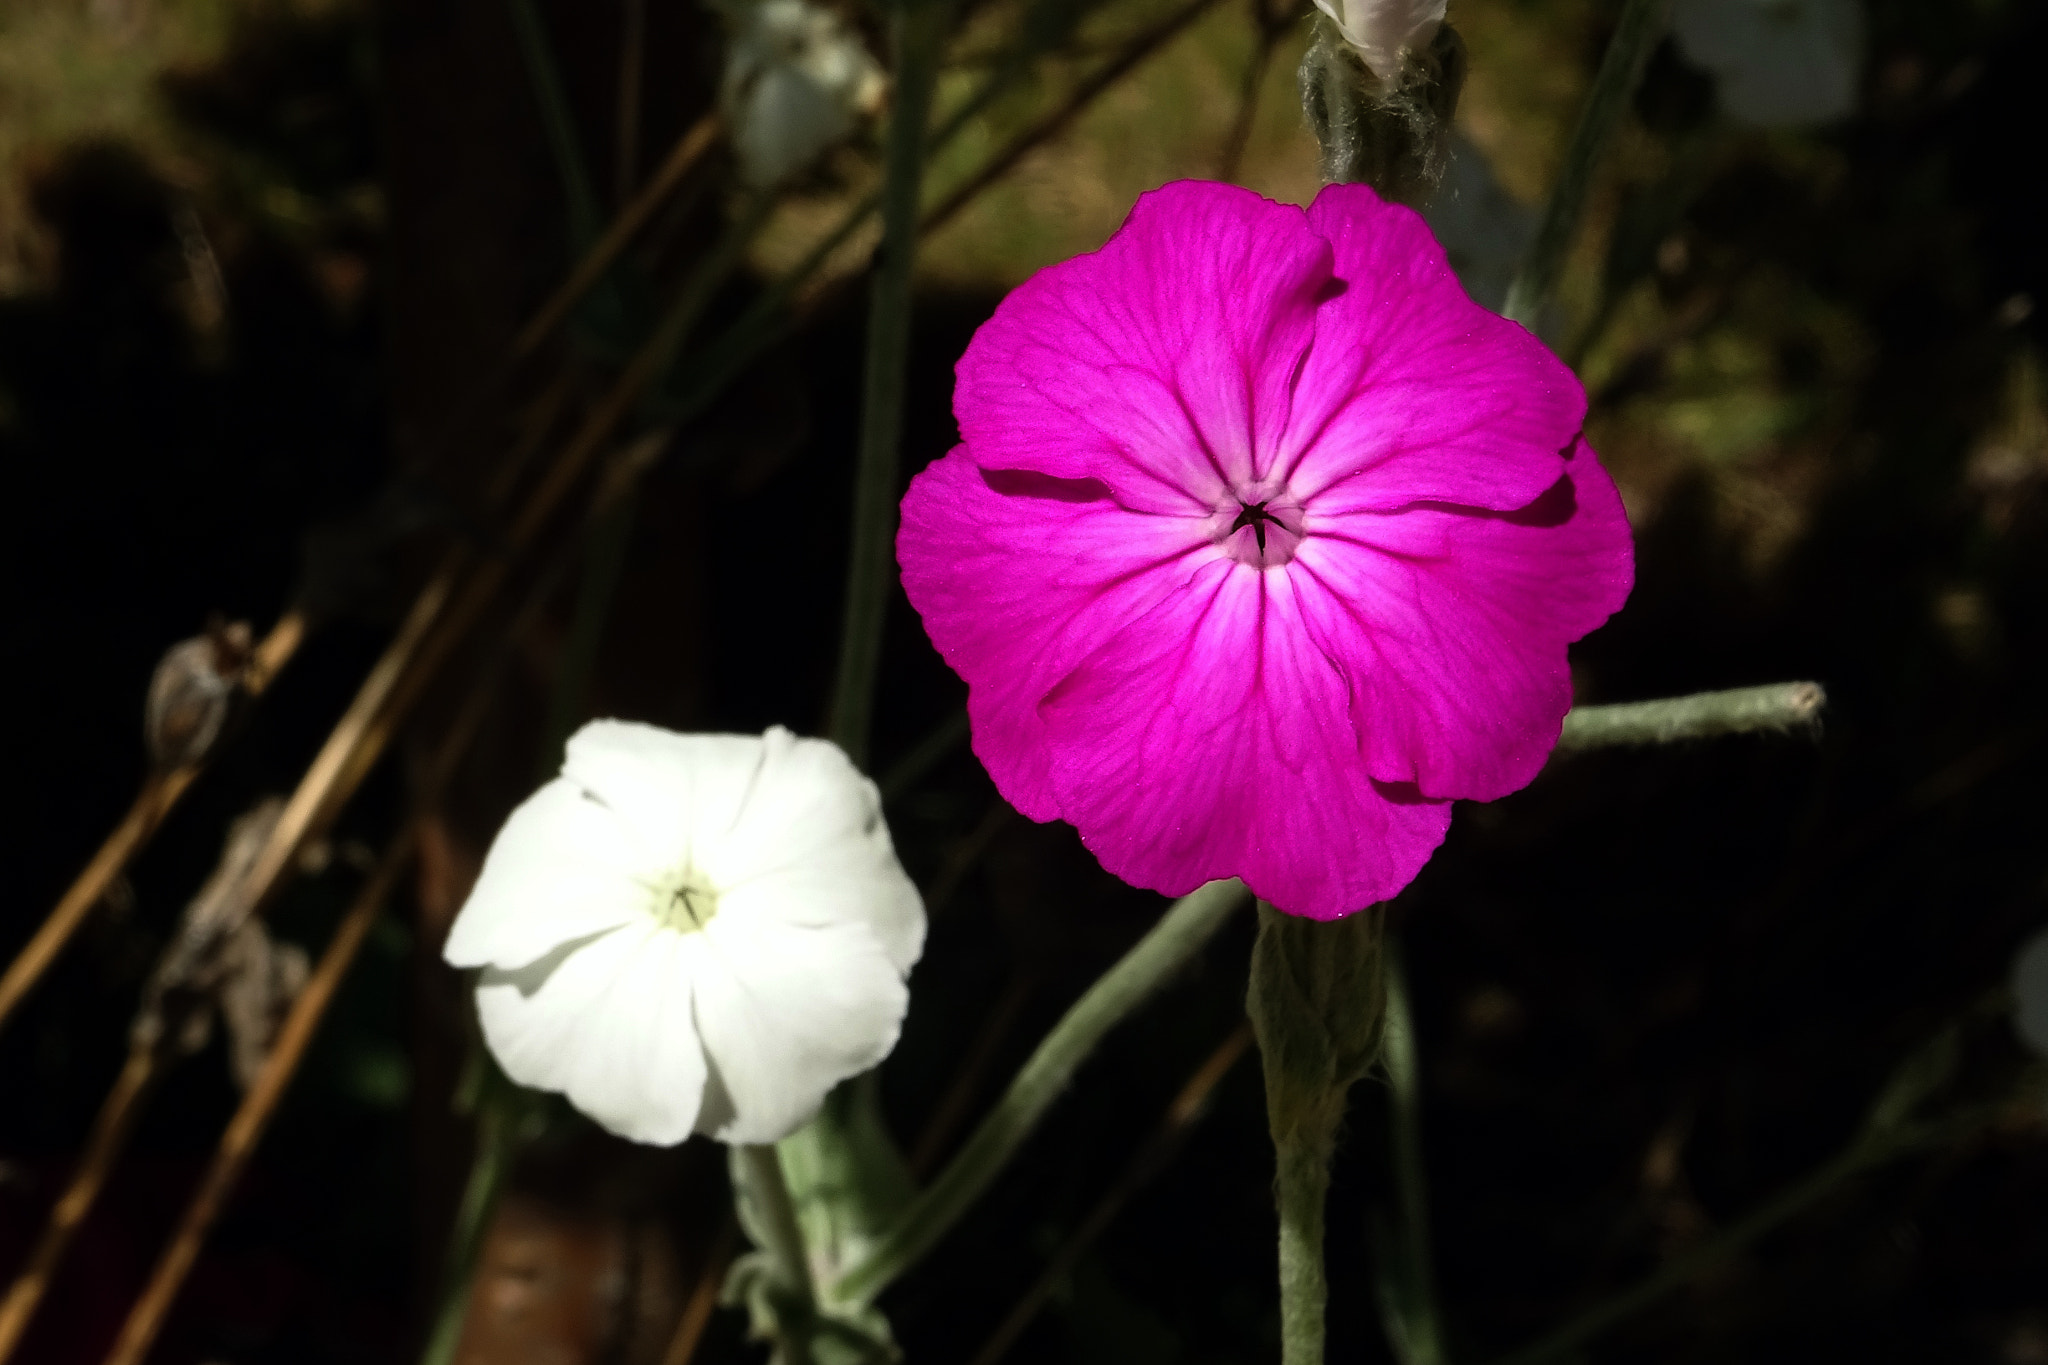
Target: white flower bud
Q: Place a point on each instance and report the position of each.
(797, 80)
(1382, 30)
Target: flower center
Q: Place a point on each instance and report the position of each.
(685, 903)
(1259, 528)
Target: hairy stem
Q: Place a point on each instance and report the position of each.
(1302, 1187)
(1407, 1283)
(784, 1241)
(1180, 934)
(1703, 715)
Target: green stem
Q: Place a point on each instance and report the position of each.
(1408, 1290)
(1641, 25)
(1181, 933)
(917, 30)
(1302, 1187)
(935, 748)
(1317, 1003)
(1703, 715)
(784, 1241)
(584, 219)
(499, 1121)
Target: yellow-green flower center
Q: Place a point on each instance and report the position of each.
(685, 902)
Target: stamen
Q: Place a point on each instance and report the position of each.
(1255, 515)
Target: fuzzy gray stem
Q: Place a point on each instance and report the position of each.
(1182, 932)
(1302, 1188)
(1703, 715)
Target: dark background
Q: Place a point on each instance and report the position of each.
(1652, 990)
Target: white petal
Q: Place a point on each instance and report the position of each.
(611, 1027)
(812, 835)
(787, 1013)
(561, 868)
(670, 791)
(2030, 992)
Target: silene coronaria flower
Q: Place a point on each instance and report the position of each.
(1262, 544)
(692, 933)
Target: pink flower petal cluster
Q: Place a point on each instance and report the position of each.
(1263, 543)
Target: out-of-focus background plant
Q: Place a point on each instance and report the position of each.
(269, 271)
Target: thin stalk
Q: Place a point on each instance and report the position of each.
(499, 1137)
(1136, 50)
(953, 1107)
(1407, 1289)
(1186, 1110)
(153, 804)
(917, 31)
(558, 121)
(118, 1112)
(1641, 25)
(769, 1190)
(1181, 933)
(682, 158)
(1270, 31)
(682, 1346)
(1703, 715)
(245, 1130)
(935, 748)
(1301, 1188)
(1317, 1003)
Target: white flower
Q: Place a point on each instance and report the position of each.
(1777, 63)
(692, 932)
(2030, 992)
(1382, 30)
(797, 80)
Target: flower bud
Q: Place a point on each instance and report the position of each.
(1382, 32)
(1385, 125)
(1317, 1001)
(797, 80)
(191, 693)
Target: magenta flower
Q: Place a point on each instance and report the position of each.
(1262, 545)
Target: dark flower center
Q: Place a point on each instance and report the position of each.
(1255, 515)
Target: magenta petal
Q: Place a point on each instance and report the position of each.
(1212, 738)
(1159, 364)
(1453, 626)
(1414, 392)
(1017, 586)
